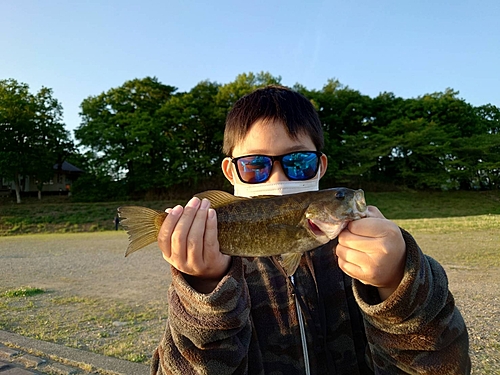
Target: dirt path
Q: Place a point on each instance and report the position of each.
(93, 265)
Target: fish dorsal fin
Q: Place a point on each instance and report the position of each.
(290, 262)
(219, 198)
(265, 196)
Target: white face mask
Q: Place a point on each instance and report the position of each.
(275, 188)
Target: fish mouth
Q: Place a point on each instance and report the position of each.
(328, 230)
(315, 229)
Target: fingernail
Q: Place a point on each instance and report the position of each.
(176, 210)
(193, 202)
(168, 210)
(211, 213)
(204, 203)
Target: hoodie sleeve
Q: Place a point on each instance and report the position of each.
(418, 329)
(206, 333)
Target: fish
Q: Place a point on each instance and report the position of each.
(284, 226)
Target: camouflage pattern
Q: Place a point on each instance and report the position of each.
(249, 325)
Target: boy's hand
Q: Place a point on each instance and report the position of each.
(373, 251)
(188, 241)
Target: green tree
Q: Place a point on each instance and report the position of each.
(124, 132)
(471, 156)
(343, 112)
(244, 84)
(193, 126)
(157, 139)
(477, 162)
(436, 141)
(95, 184)
(33, 137)
(53, 137)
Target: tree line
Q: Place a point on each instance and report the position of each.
(145, 138)
(32, 134)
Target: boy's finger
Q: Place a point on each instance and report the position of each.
(182, 228)
(194, 243)
(375, 212)
(352, 270)
(166, 230)
(350, 255)
(352, 241)
(210, 241)
(371, 227)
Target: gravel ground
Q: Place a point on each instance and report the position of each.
(84, 264)
(476, 295)
(93, 265)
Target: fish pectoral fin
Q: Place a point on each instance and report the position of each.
(290, 262)
(219, 198)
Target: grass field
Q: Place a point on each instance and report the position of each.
(60, 214)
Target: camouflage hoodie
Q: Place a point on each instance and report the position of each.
(249, 324)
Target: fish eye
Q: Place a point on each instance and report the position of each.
(340, 195)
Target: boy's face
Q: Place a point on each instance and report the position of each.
(269, 138)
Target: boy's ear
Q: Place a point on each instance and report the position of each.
(227, 169)
(324, 164)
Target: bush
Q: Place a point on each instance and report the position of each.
(91, 188)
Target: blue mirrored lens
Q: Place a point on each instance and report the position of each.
(300, 165)
(255, 169)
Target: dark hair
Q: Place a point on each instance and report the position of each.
(273, 103)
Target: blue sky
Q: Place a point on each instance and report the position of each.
(410, 48)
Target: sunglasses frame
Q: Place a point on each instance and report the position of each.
(274, 159)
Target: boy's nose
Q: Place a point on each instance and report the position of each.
(277, 173)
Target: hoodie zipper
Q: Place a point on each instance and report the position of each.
(302, 328)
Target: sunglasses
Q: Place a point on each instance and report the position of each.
(300, 165)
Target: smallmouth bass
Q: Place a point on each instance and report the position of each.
(286, 225)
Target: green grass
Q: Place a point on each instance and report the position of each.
(22, 292)
(60, 215)
(418, 205)
(451, 224)
(63, 216)
(469, 248)
(86, 323)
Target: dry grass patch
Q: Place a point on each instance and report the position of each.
(102, 326)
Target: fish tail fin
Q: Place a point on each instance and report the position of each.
(142, 225)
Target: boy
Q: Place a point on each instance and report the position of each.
(368, 302)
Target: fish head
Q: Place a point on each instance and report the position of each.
(330, 212)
